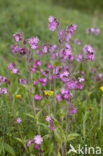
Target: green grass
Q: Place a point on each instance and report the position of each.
(30, 17)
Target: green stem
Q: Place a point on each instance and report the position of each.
(101, 111)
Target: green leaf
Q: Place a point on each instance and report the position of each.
(1, 147)
(46, 136)
(59, 154)
(84, 123)
(9, 149)
(44, 125)
(18, 139)
(37, 115)
(16, 92)
(31, 148)
(30, 115)
(72, 136)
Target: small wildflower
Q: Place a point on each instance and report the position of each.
(90, 108)
(38, 139)
(18, 36)
(77, 41)
(48, 92)
(37, 147)
(53, 23)
(14, 48)
(96, 31)
(23, 81)
(29, 141)
(15, 70)
(101, 88)
(18, 96)
(34, 42)
(48, 118)
(37, 97)
(3, 90)
(18, 120)
(72, 110)
(51, 122)
(81, 79)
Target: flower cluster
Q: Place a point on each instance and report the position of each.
(36, 65)
(23, 81)
(77, 41)
(51, 122)
(48, 92)
(33, 41)
(72, 110)
(42, 81)
(12, 67)
(53, 23)
(37, 97)
(96, 31)
(4, 79)
(16, 48)
(89, 51)
(18, 36)
(3, 90)
(18, 120)
(37, 141)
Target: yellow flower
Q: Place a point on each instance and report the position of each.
(90, 108)
(101, 88)
(18, 96)
(48, 92)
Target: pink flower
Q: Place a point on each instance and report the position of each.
(14, 48)
(81, 79)
(23, 81)
(53, 23)
(48, 118)
(38, 139)
(89, 51)
(70, 31)
(3, 90)
(72, 110)
(37, 62)
(51, 122)
(79, 57)
(29, 141)
(96, 31)
(37, 147)
(18, 36)
(61, 35)
(45, 48)
(15, 70)
(36, 82)
(77, 41)
(51, 19)
(38, 97)
(33, 41)
(11, 65)
(18, 120)
(4, 79)
(22, 51)
(58, 97)
(50, 66)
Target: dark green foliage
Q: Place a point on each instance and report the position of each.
(84, 5)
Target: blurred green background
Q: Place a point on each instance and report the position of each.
(84, 5)
(31, 17)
